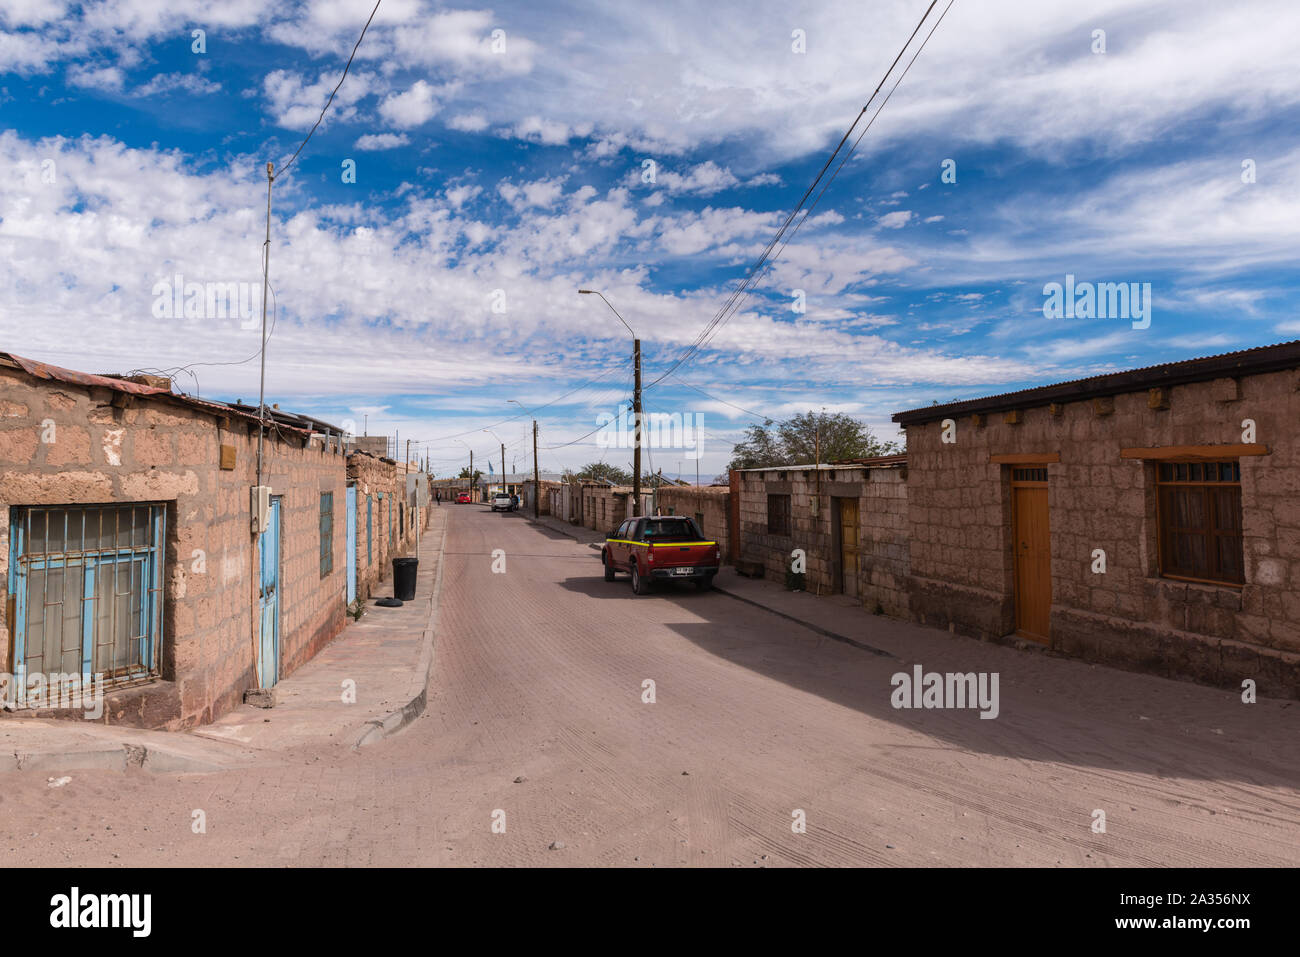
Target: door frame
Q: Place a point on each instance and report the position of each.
(837, 543)
(1045, 485)
(276, 520)
(350, 506)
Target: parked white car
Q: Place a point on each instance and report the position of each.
(502, 502)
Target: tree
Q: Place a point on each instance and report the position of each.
(464, 474)
(806, 439)
(603, 471)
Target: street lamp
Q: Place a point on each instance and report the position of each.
(636, 400)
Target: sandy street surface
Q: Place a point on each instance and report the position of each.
(538, 676)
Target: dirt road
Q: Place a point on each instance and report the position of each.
(539, 722)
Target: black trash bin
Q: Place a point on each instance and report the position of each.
(404, 570)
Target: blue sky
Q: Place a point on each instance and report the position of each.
(500, 164)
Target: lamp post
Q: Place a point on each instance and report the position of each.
(636, 401)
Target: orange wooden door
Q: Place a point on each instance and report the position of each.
(1033, 561)
(849, 546)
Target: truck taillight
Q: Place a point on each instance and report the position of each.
(650, 554)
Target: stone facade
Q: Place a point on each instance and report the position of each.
(89, 442)
(1103, 501)
(385, 519)
(880, 493)
(605, 507)
(707, 504)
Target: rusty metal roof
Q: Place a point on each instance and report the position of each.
(1256, 361)
(44, 370)
(48, 372)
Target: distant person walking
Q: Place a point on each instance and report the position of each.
(437, 496)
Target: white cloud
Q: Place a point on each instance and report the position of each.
(381, 141)
(191, 83)
(108, 79)
(704, 179)
(468, 122)
(296, 104)
(895, 220)
(409, 109)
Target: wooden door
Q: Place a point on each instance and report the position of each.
(849, 546)
(1031, 539)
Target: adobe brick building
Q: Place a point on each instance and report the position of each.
(849, 519)
(1148, 519)
(386, 517)
(128, 548)
(709, 505)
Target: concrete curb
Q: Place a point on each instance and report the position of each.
(833, 635)
(377, 729)
(126, 756)
(563, 531)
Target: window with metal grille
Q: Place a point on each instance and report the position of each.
(1035, 474)
(778, 514)
(370, 534)
(87, 587)
(1199, 510)
(326, 533)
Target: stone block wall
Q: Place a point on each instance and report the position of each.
(64, 445)
(707, 504)
(959, 518)
(883, 559)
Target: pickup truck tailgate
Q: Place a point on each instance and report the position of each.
(672, 554)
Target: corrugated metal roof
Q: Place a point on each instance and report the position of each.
(1261, 359)
(48, 372)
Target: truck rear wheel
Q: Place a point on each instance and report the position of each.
(639, 585)
(609, 568)
(705, 583)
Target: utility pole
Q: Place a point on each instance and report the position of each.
(636, 414)
(537, 477)
(504, 484)
(636, 400)
(266, 280)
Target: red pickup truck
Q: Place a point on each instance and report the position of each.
(661, 548)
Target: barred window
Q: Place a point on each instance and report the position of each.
(88, 594)
(778, 514)
(1200, 520)
(326, 533)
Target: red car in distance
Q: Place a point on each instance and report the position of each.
(463, 498)
(661, 548)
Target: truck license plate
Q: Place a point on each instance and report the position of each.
(683, 570)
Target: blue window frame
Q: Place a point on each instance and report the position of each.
(326, 533)
(370, 534)
(88, 586)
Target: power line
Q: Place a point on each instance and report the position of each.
(285, 168)
(742, 289)
(757, 415)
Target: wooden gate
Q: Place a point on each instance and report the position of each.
(1031, 539)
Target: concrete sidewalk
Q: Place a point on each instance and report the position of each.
(577, 532)
(385, 658)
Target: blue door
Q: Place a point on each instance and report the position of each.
(351, 553)
(269, 599)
